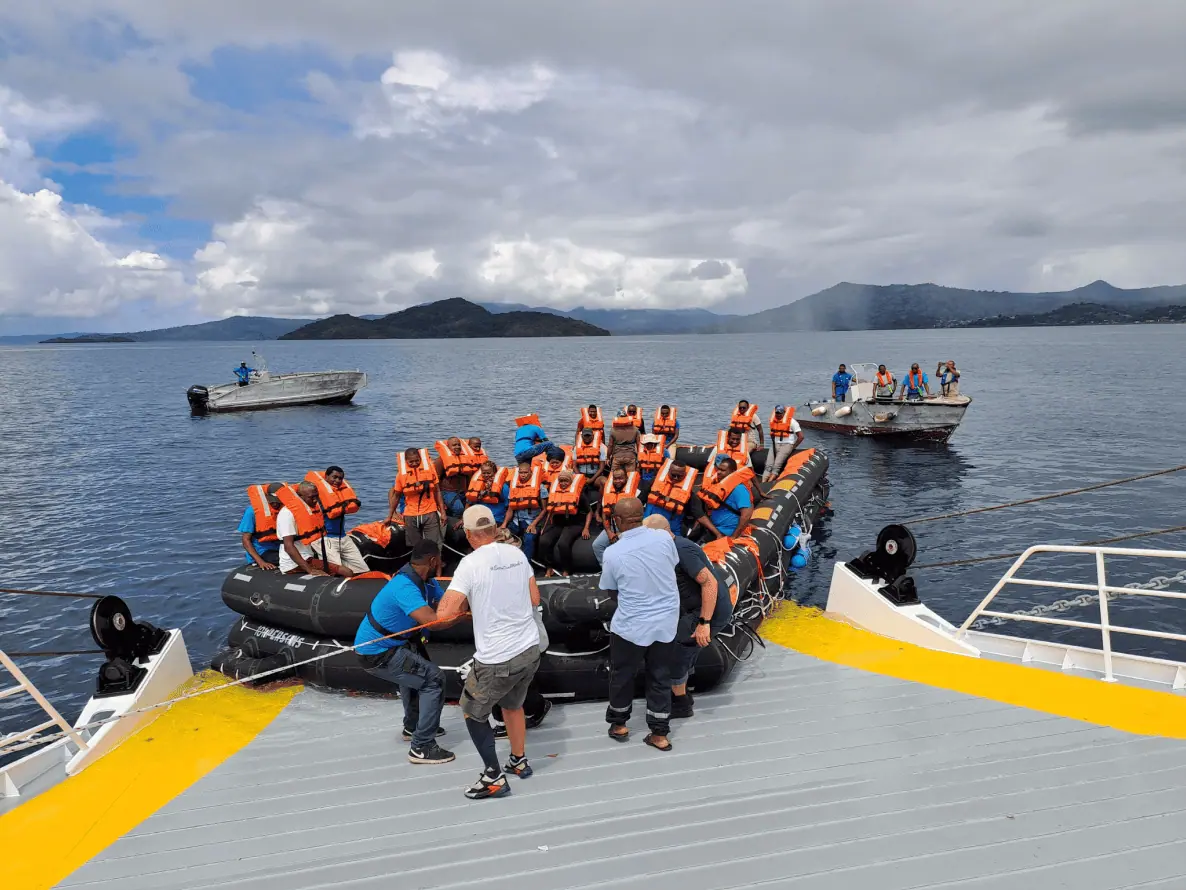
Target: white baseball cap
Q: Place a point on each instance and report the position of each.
(477, 517)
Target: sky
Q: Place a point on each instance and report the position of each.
(164, 162)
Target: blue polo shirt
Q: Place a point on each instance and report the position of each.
(244, 374)
(527, 435)
(640, 566)
(393, 607)
(911, 389)
(247, 527)
(842, 381)
(728, 516)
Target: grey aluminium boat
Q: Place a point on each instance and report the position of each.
(267, 390)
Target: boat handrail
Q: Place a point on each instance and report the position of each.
(24, 684)
(1102, 590)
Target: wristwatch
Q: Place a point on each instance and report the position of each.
(703, 621)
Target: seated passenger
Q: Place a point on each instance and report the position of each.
(635, 415)
(883, 385)
(914, 385)
(300, 525)
(489, 486)
(551, 465)
(525, 504)
(623, 444)
(568, 515)
(745, 418)
(415, 498)
(591, 419)
(454, 466)
(337, 501)
(589, 454)
(480, 456)
(531, 440)
(731, 443)
(651, 455)
(622, 484)
(257, 528)
(666, 424)
(671, 497)
(785, 436)
(726, 497)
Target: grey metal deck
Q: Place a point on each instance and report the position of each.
(799, 774)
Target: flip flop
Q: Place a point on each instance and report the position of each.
(619, 736)
(650, 740)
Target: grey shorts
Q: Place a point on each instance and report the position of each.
(503, 684)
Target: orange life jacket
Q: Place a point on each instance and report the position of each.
(309, 521)
(456, 464)
(591, 423)
(335, 502)
(740, 454)
(665, 426)
(528, 418)
(741, 422)
(886, 379)
(781, 429)
(473, 462)
(715, 492)
(418, 485)
(541, 461)
(623, 422)
(265, 514)
(379, 532)
(584, 454)
(565, 501)
(525, 493)
(651, 459)
(668, 496)
(636, 417)
(914, 380)
(609, 496)
(480, 491)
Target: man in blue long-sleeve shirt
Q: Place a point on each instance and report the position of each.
(531, 441)
(244, 373)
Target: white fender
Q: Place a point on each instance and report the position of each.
(844, 412)
(819, 411)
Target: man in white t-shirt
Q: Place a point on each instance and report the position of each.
(782, 446)
(497, 582)
(295, 555)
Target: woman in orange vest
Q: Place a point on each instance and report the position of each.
(416, 498)
(567, 516)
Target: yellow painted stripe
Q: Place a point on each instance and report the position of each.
(48, 838)
(1127, 708)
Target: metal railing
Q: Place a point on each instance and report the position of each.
(1100, 588)
(24, 684)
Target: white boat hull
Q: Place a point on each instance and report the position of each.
(279, 391)
(931, 419)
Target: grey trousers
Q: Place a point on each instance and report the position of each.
(780, 452)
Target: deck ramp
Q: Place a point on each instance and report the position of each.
(800, 773)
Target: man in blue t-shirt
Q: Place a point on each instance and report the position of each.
(405, 602)
(243, 373)
(531, 441)
(735, 510)
(263, 553)
(840, 383)
(914, 384)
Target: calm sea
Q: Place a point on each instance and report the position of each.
(110, 485)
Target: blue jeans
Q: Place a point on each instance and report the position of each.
(553, 451)
(518, 527)
(454, 502)
(422, 690)
(600, 543)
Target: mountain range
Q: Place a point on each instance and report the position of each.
(845, 306)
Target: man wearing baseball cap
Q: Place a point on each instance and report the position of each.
(497, 583)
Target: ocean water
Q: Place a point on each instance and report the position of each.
(111, 486)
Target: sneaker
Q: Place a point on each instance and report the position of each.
(533, 722)
(408, 733)
(681, 707)
(488, 786)
(500, 730)
(518, 766)
(430, 753)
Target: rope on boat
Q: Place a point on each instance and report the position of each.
(1001, 556)
(1047, 497)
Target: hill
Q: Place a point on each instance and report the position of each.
(628, 321)
(91, 338)
(444, 319)
(1084, 313)
(237, 327)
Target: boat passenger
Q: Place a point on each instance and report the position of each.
(884, 385)
(651, 455)
(568, 515)
(671, 497)
(841, 381)
(589, 454)
(495, 581)
(300, 525)
(416, 498)
(591, 419)
(338, 500)
(726, 496)
(785, 436)
(639, 574)
(731, 443)
(405, 602)
(635, 414)
(491, 487)
(454, 465)
(525, 505)
(623, 444)
(949, 378)
(745, 418)
(552, 465)
(914, 385)
(621, 484)
(666, 423)
(244, 373)
(480, 456)
(257, 528)
(705, 611)
(531, 440)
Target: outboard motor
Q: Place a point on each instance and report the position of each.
(895, 553)
(199, 399)
(124, 642)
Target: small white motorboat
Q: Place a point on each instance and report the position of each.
(267, 390)
(862, 414)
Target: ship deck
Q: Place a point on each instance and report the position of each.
(800, 772)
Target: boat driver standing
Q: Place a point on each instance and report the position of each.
(244, 373)
(840, 383)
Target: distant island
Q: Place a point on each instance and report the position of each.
(92, 338)
(1082, 314)
(446, 319)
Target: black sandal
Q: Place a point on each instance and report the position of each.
(651, 740)
(619, 736)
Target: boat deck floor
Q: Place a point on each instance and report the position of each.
(799, 773)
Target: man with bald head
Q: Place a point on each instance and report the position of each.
(639, 573)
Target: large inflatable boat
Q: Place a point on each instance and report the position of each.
(289, 620)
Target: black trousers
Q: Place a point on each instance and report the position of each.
(557, 540)
(625, 658)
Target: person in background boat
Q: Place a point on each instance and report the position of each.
(915, 384)
(671, 497)
(725, 493)
(651, 455)
(243, 373)
(705, 611)
(257, 528)
(497, 583)
(635, 414)
(416, 498)
(639, 574)
(531, 440)
(949, 378)
(300, 526)
(527, 495)
(591, 419)
(491, 487)
(841, 381)
(745, 418)
(884, 385)
(589, 454)
(785, 436)
(621, 484)
(568, 515)
(666, 424)
(623, 444)
(405, 602)
(337, 500)
(454, 464)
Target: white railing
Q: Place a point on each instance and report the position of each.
(24, 684)
(1100, 588)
